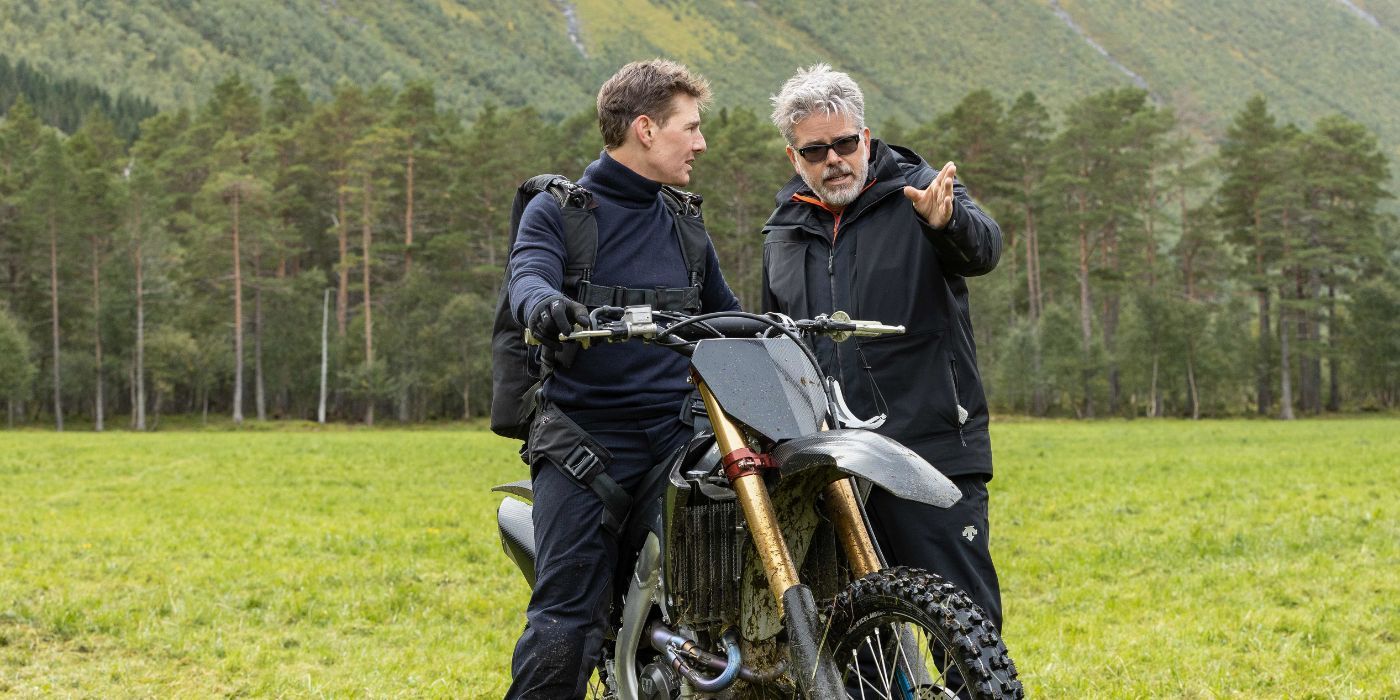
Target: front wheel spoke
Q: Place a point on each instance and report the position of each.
(864, 682)
(900, 662)
(873, 648)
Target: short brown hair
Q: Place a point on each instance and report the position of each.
(645, 87)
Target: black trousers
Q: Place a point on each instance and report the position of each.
(576, 559)
(951, 542)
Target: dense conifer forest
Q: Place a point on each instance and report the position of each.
(64, 102)
(1172, 245)
(1144, 273)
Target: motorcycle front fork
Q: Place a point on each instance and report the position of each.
(841, 506)
(811, 663)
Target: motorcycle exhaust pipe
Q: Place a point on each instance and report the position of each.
(731, 667)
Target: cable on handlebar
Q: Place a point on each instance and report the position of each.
(772, 323)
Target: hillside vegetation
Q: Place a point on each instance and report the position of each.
(1153, 263)
(1311, 58)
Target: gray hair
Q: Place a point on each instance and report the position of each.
(817, 89)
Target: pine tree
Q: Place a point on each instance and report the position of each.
(48, 202)
(333, 129)
(1248, 174)
(95, 152)
(1028, 133)
(151, 191)
(235, 185)
(371, 161)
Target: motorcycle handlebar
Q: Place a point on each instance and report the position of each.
(612, 323)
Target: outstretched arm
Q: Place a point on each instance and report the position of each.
(967, 238)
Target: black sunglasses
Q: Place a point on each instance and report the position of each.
(844, 146)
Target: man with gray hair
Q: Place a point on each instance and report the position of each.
(871, 229)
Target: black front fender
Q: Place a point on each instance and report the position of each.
(870, 456)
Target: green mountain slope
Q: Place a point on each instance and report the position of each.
(1309, 57)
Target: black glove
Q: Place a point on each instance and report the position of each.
(556, 315)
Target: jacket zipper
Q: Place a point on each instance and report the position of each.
(958, 409)
(831, 281)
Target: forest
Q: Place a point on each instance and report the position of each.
(188, 270)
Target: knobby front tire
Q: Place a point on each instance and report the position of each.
(906, 633)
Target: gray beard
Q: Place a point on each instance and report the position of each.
(841, 196)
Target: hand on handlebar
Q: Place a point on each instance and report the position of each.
(556, 316)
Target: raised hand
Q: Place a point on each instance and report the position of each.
(935, 203)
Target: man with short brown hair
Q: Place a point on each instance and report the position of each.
(616, 407)
(645, 88)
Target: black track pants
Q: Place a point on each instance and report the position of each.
(576, 559)
(951, 542)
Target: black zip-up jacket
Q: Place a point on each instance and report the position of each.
(888, 265)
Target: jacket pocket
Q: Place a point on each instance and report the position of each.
(912, 378)
(785, 270)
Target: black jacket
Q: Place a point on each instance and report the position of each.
(888, 265)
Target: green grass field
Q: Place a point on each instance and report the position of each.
(1222, 559)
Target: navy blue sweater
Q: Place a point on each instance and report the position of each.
(638, 248)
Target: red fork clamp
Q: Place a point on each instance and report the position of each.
(743, 462)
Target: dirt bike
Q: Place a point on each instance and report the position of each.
(743, 530)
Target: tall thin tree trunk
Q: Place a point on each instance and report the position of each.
(237, 314)
(342, 293)
(1315, 332)
(1033, 304)
(283, 380)
(365, 241)
(1151, 243)
(408, 213)
(325, 355)
(1191, 384)
(1285, 364)
(53, 296)
(1309, 363)
(1334, 389)
(259, 385)
(407, 255)
(1012, 272)
(139, 409)
(97, 331)
(1109, 329)
(1265, 386)
(1086, 327)
(1264, 389)
(131, 391)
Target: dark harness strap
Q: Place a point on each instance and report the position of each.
(560, 441)
(581, 237)
(554, 436)
(685, 299)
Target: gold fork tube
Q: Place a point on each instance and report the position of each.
(844, 511)
(758, 508)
